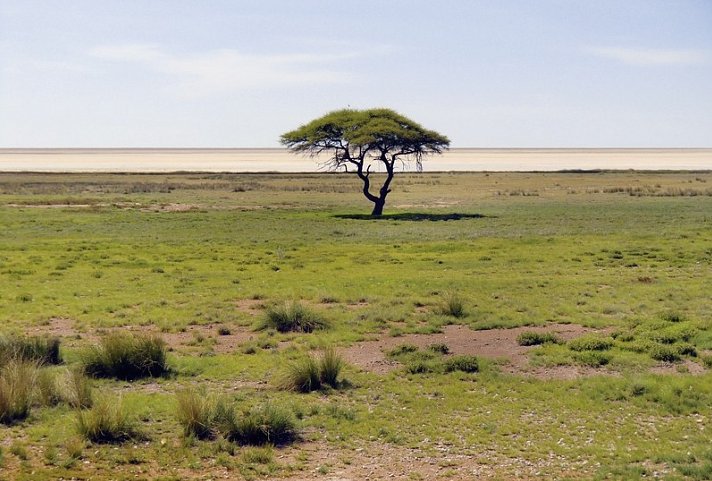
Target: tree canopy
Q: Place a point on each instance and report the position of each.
(356, 139)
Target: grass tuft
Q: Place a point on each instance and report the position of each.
(532, 338)
(200, 414)
(107, 422)
(127, 356)
(44, 350)
(264, 425)
(293, 317)
(310, 374)
(453, 305)
(17, 383)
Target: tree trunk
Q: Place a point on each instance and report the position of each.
(378, 207)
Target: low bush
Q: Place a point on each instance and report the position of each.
(664, 352)
(707, 361)
(44, 350)
(464, 363)
(263, 425)
(107, 422)
(532, 338)
(422, 366)
(590, 343)
(592, 358)
(292, 317)
(402, 349)
(126, 356)
(682, 332)
(439, 348)
(17, 384)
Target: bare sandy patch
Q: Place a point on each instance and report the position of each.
(491, 343)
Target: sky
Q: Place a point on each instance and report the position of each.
(232, 73)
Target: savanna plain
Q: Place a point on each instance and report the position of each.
(250, 326)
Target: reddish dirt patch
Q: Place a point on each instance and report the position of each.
(207, 335)
(686, 367)
(491, 343)
(250, 306)
(56, 326)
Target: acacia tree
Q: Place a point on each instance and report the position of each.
(357, 139)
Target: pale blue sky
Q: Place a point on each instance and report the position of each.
(498, 73)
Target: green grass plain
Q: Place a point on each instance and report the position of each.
(628, 253)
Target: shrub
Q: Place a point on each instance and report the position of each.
(264, 425)
(17, 383)
(532, 338)
(707, 361)
(686, 349)
(44, 350)
(439, 348)
(453, 305)
(464, 363)
(592, 358)
(421, 366)
(590, 343)
(292, 317)
(224, 331)
(127, 356)
(672, 316)
(673, 334)
(402, 349)
(665, 353)
(107, 422)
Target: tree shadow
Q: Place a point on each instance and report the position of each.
(412, 216)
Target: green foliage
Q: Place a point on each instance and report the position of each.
(44, 350)
(533, 338)
(293, 317)
(373, 128)
(127, 356)
(17, 384)
(107, 421)
(590, 343)
(464, 363)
